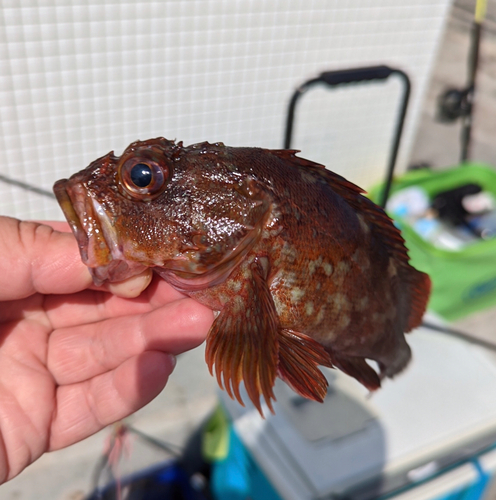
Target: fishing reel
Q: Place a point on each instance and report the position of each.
(454, 104)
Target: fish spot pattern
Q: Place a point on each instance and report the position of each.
(297, 294)
(364, 226)
(235, 285)
(342, 267)
(238, 304)
(327, 267)
(320, 315)
(362, 304)
(343, 321)
(392, 270)
(360, 258)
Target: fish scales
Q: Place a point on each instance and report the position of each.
(302, 268)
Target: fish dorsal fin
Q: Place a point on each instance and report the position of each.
(289, 155)
(353, 195)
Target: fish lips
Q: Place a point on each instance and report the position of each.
(95, 234)
(68, 207)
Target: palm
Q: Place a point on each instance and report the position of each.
(71, 363)
(27, 389)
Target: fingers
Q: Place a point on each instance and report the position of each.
(61, 226)
(38, 258)
(132, 287)
(90, 306)
(86, 407)
(35, 258)
(129, 288)
(79, 353)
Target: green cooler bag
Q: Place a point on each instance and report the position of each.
(463, 281)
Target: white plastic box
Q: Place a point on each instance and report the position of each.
(440, 411)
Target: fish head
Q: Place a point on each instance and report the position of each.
(183, 211)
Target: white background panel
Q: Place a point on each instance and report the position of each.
(78, 79)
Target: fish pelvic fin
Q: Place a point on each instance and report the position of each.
(299, 357)
(243, 342)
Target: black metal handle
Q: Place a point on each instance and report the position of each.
(356, 75)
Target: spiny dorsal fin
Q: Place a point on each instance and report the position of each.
(353, 195)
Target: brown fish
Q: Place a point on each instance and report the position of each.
(303, 269)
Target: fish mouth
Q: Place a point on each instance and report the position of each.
(95, 234)
(66, 204)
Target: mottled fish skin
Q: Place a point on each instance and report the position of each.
(304, 270)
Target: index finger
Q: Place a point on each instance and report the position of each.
(80, 352)
(90, 306)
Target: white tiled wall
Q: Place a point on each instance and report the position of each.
(80, 78)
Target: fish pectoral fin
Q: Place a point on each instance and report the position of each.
(243, 342)
(299, 358)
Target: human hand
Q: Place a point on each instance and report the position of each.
(73, 357)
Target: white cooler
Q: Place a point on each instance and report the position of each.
(434, 416)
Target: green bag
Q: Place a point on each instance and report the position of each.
(463, 281)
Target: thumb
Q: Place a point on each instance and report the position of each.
(36, 258)
(129, 288)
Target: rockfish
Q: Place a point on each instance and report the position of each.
(301, 267)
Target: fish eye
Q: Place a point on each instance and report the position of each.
(141, 175)
(143, 178)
